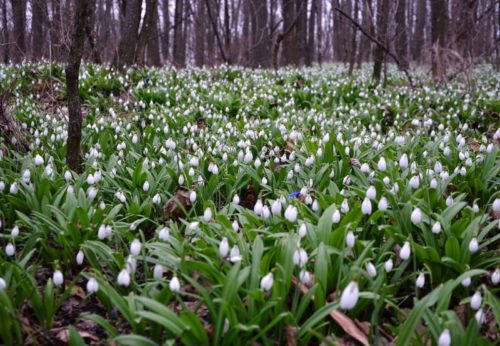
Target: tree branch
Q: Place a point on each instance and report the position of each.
(378, 43)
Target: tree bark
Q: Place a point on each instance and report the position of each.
(19, 18)
(260, 44)
(382, 24)
(418, 37)
(38, 21)
(178, 57)
(81, 16)
(310, 32)
(200, 27)
(301, 10)
(438, 35)
(148, 26)
(165, 42)
(5, 33)
(401, 35)
(290, 44)
(129, 34)
(352, 58)
(153, 46)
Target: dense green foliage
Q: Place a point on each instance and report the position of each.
(264, 193)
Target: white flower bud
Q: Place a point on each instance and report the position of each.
(366, 207)
(336, 216)
(495, 277)
(58, 278)
(164, 234)
(123, 278)
(3, 284)
(405, 251)
(388, 265)
(420, 280)
(436, 228)
(350, 239)
(92, 286)
(223, 247)
(174, 285)
(383, 204)
(416, 216)
(350, 296)
(291, 213)
(80, 257)
(135, 247)
(370, 268)
(302, 230)
(158, 271)
(39, 160)
(475, 301)
(267, 282)
(444, 338)
(10, 249)
(300, 257)
(473, 245)
(371, 193)
(207, 215)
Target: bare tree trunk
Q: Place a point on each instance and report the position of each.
(438, 35)
(165, 42)
(260, 44)
(352, 58)
(81, 16)
(310, 32)
(129, 34)
(420, 23)
(178, 57)
(227, 31)
(38, 21)
(19, 18)
(301, 10)
(382, 24)
(153, 47)
(290, 44)
(319, 30)
(200, 27)
(5, 33)
(149, 23)
(365, 45)
(401, 35)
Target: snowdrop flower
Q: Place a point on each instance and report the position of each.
(383, 204)
(433, 184)
(366, 207)
(92, 193)
(473, 245)
(267, 282)
(13, 189)
(10, 249)
(382, 165)
(3, 284)
(58, 278)
(236, 199)
(350, 296)
(235, 226)
(80, 257)
(234, 255)
(302, 230)
(2, 186)
(479, 316)
(27, 176)
(192, 196)
(223, 247)
(405, 251)
(416, 216)
(420, 280)
(164, 234)
(135, 247)
(174, 285)
(207, 215)
(305, 277)
(414, 182)
(350, 239)
(403, 161)
(370, 268)
(315, 205)
(276, 207)
(90, 179)
(388, 265)
(258, 207)
(248, 157)
(158, 271)
(475, 301)
(38, 160)
(466, 282)
(444, 338)
(266, 212)
(495, 277)
(336, 216)
(156, 199)
(145, 186)
(291, 213)
(449, 201)
(180, 180)
(436, 228)
(15, 231)
(92, 286)
(344, 207)
(365, 168)
(300, 257)
(496, 205)
(123, 278)
(475, 208)
(371, 193)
